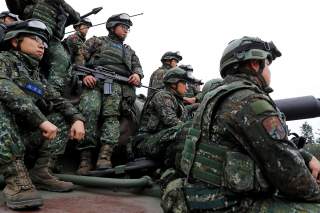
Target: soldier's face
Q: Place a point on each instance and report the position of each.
(31, 45)
(266, 72)
(83, 29)
(121, 31)
(182, 88)
(173, 63)
(8, 20)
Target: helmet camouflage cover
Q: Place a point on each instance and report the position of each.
(30, 26)
(177, 74)
(171, 55)
(247, 48)
(122, 18)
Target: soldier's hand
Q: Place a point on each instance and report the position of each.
(48, 129)
(187, 100)
(89, 81)
(134, 79)
(314, 166)
(77, 131)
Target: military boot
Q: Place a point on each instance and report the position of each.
(19, 192)
(104, 159)
(85, 162)
(41, 175)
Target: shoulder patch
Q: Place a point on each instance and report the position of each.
(261, 106)
(274, 127)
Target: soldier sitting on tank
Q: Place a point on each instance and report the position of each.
(7, 18)
(162, 123)
(31, 113)
(108, 107)
(75, 42)
(237, 156)
(169, 60)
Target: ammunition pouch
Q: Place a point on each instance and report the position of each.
(218, 166)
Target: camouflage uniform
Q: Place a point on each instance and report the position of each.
(162, 121)
(25, 99)
(110, 52)
(57, 15)
(236, 155)
(74, 45)
(156, 79)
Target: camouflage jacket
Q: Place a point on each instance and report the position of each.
(74, 44)
(23, 93)
(56, 14)
(164, 109)
(110, 52)
(156, 78)
(193, 90)
(248, 121)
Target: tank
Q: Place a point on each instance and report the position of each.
(127, 187)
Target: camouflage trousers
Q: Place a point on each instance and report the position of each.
(58, 66)
(18, 141)
(165, 146)
(181, 197)
(103, 112)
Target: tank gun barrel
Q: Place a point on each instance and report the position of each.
(299, 108)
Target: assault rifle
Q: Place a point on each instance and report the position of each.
(104, 75)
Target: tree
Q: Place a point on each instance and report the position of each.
(307, 132)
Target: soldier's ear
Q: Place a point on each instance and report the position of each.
(14, 42)
(254, 65)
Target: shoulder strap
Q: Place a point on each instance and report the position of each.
(203, 116)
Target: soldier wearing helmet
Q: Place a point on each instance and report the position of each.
(26, 106)
(7, 18)
(74, 43)
(237, 156)
(57, 15)
(112, 53)
(169, 60)
(163, 118)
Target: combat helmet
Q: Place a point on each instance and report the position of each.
(30, 26)
(84, 21)
(8, 14)
(177, 74)
(171, 55)
(122, 18)
(246, 48)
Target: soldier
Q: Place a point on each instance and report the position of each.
(237, 157)
(169, 60)
(209, 86)
(111, 53)
(194, 90)
(57, 15)
(27, 105)
(163, 120)
(7, 18)
(75, 41)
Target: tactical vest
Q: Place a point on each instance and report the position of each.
(114, 56)
(151, 124)
(212, 163)
(55, 19)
